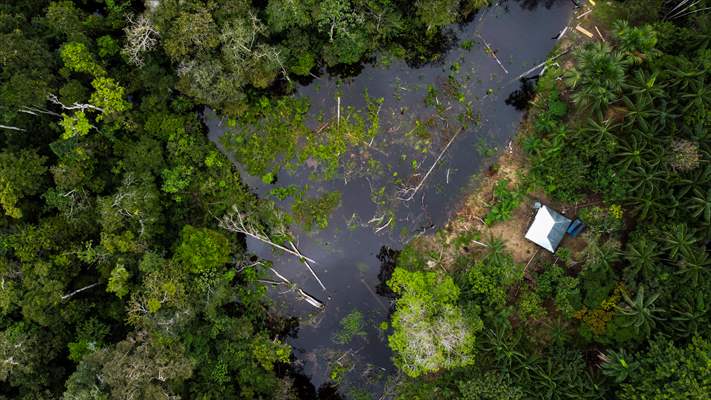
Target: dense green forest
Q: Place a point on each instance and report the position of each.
(120, 277)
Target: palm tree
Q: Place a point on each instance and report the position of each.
(698, 96)
(690, 317)
(634, 151)
(599, 135)
(495, 252)
(637, 42)
(644, 82)
(700, 205)
(643, 256)
(598, 77)
(695, 267)
(647, 206)
(639, 108)
(685, 73)
(618, 365)
(645, 181)
(663, 113)
(641, 312)
(679, 241)
(504, 346)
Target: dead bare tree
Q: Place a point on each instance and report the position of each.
(87, 287)
(141, 37)
(37, 111)
(235, 222)
(12, 128)
(75, 106)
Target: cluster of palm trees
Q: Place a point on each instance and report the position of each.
(640, 131)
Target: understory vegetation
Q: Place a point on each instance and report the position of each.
(620, 126)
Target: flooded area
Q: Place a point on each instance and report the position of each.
(416, 139)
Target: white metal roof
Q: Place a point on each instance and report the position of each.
(547, 229)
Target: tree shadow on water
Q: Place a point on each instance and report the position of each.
(520, 98)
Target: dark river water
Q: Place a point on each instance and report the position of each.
(376, 210)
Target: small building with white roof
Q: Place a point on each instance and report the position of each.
(548, 228)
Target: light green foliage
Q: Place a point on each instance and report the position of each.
(131, 213)
(19, 349)
(602, 220)
(437, 13)
(267, 353)
(109, 96)
(553, 283)
(20, 176)
(637, 42)
(530, 306)
(486, 282)
(430, 331)
(352, 325)
(78, 58)
(272, 135)
(202, 249)
(75, 125)
(347, 41)
(316, 210)
(177, 179)
(134, 368)
(65, 18)
(118, 281)
(506, 200)
(191, 33)
(269, 132)
(667, 371)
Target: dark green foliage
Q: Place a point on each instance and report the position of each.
(597, 77)
(116, 280)
(490, 386)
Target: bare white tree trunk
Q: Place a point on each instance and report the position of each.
(69, 295)
(12, 128)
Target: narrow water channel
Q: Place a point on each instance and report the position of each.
(461, 99)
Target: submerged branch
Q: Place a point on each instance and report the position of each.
(493, 54)
(304, 260)
(411, 192)
(300, 292)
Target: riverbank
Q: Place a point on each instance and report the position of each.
(512, 168)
